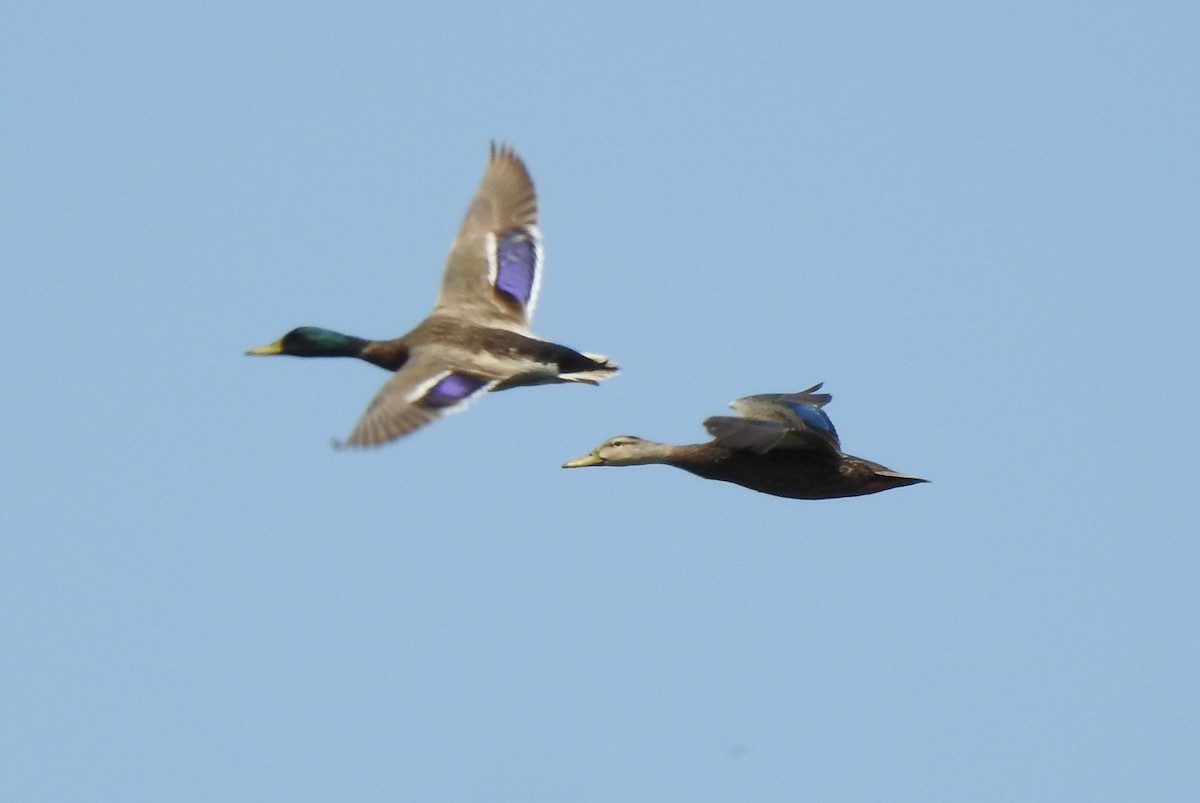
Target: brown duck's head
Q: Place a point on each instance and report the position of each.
(623, 450)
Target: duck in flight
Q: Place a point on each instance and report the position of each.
(477, 337)
(782, 444)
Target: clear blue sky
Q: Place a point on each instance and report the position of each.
(976, 223)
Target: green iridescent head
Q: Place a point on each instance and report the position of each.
(313, 341)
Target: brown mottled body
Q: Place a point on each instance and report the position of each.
(791, 474)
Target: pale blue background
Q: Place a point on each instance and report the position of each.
(977, 223)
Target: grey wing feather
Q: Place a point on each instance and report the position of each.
(809, 396)
(805, 425)
(398, 407)
(759, 437)
(772, 403)
(504, 202)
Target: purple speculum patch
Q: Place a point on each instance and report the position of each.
(516, 264)
(453, 389)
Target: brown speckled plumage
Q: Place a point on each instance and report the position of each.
(794, 474)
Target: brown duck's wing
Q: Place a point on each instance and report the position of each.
(493, 271)
(768, 401)
(742, 434)
(778, 421)
(425, 389)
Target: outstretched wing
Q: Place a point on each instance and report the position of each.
(493, 271)
(744, 434)
(778, 421)
(422, 391)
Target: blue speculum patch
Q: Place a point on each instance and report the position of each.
(452, 389)
(516, 264)
(813, 416)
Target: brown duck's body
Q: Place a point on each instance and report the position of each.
(791, 474)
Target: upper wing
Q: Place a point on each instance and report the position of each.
(778, 421)
(422, 391)
(759, 437)
(493, 271)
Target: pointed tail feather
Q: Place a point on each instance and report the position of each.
(604, 369)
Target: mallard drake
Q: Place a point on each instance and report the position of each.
(477, 338)
(779, 443)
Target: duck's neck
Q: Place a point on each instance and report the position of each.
(388, 354)
(688, 456)
(708, 460)
(655, 453)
